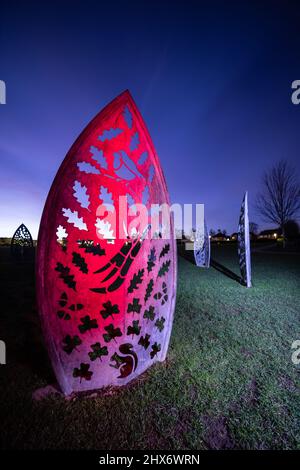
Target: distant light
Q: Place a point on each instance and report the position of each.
(275, 235)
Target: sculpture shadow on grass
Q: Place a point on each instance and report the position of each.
(222, 269)
(189, 256)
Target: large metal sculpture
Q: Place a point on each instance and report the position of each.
(202, 246)
(21, 243)
(106, 303)
(244, 243)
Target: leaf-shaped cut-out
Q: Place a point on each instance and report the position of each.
(61, 233)
(80, 193)
(144, 341)
(98, 351)
(136, 280)
(98, 156)
(134, 143)
(112, 333)
(83, 372)
(79, 261)
(109, 309)
(109, 134)
(134, 329)
(143, 158)
(160, 323)
(87, 324)
(151, 260)
(150, 313)
(149, 290)
(88, 168)
(134, 307)
(151, 173)
(164, 268)
(145, 195)
(155, 349)
(65, 275)
(107, 199)
(128, 117)
(104, 229)
(73, 218)
(165, 250)
(71, 342)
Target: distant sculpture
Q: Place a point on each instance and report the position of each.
(244, 243)
(21, 243)
(202, 246)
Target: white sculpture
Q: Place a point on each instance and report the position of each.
(202, 246)
(244, 243)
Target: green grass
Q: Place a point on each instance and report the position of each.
(228, 381)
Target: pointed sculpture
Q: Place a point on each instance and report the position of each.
(202, 246)
(106, 302)
(244, 243)
(21, 243)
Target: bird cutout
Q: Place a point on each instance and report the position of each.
(118, 266)
(124, 167)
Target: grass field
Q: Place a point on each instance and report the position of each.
(228, 381)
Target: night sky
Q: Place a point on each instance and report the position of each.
(212, 80)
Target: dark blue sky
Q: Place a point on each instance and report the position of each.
(212, 80)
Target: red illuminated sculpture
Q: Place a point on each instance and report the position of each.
(105, 287)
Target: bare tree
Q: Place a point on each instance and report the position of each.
(279, 199)
(253, 227)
